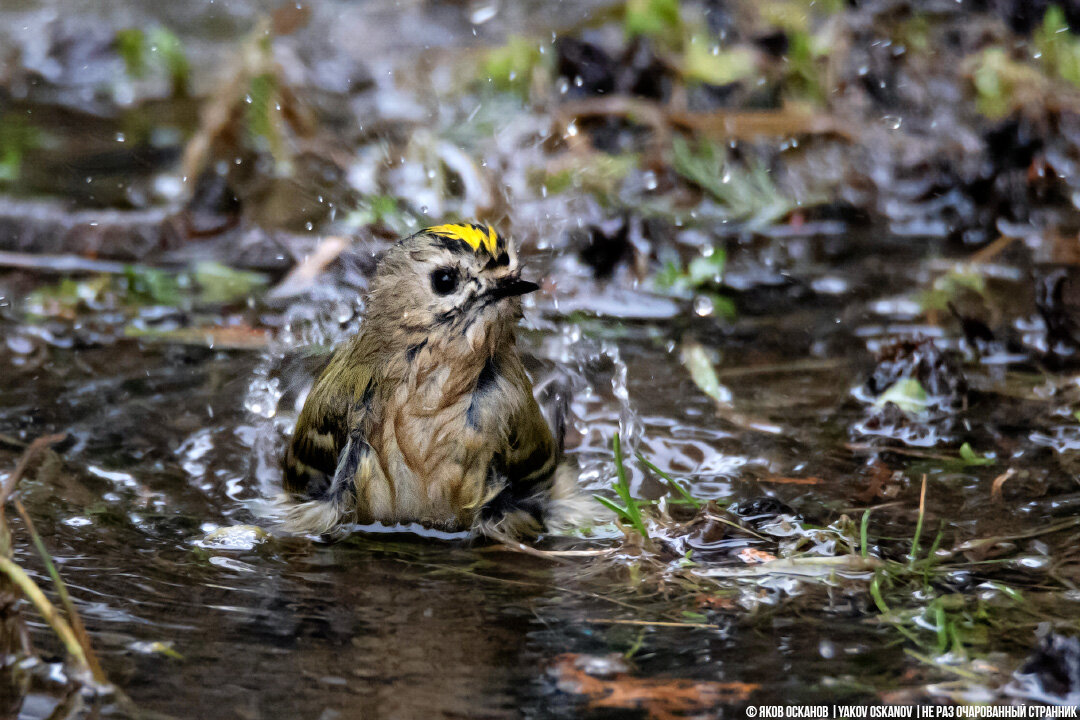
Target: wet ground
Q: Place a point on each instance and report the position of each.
(858, 364)
(165, 448)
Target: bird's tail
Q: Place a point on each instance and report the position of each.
(561, 503)
(570, 507)
(312, 517)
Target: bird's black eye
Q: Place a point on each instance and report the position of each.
(444, 280)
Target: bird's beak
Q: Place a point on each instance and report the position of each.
(511, 286)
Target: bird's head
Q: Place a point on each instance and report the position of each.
(450, 285)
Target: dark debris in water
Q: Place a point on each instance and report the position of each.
(937, 371)
(1052, 673)
(1057, 296)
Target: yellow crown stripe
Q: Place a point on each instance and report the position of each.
(474, 237)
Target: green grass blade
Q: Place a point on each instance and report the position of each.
(862, 532)
(617, 509)
(875, 593)
(670, 481)
(622, 487)
(918, 525)
(941, 622)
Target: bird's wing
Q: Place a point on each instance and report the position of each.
(531, 453)
(526, 464)
(323, 428)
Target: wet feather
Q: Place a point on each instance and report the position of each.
(428, 414)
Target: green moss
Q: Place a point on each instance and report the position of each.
(1057, 50)
(599, 175)
(744, 190)
(219, 283)
(170, 55)
(261, 91)
(703, 277)
(951, 288)
(511, 67)
(385, 210)
(704, 61)
(139, 286)
(803, 76)
(656, 19)
(131, 46)
(17, 137)
(158, 48)
(998, 80)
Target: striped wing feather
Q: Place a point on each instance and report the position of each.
(322, 430)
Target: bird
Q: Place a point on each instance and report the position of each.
(427, 415)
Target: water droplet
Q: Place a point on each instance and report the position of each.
(120, 137)
(481, 12)
(309, 226)
(650, 180)
(571, 129)
(20, 345)
(703, 306)
(893, 121)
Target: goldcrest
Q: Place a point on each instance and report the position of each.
(427, 414)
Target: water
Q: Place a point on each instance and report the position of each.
(170, 444)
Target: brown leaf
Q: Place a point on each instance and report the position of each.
(750, 556)
(305, 274)
(714, 602)
(999, 482)
(791, 480)
(660, 698)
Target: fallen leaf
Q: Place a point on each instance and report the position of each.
(703, 373)
(304, 275)
(750, 556)
(999, 482)
(780, 480)
(660, 698)
(714, 602)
